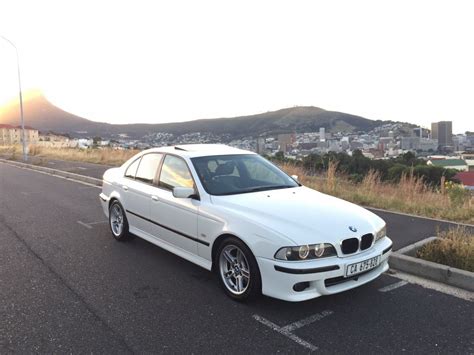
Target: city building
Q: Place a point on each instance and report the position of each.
(322, 134)
(285, 141)
(457, 164)
(443, 132)
(421, 132)
(418, 144)
(410, 143)
(260, 145)
(10, 135)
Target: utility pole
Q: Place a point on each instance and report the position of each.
(23, 140)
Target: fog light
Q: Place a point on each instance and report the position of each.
(301, 286)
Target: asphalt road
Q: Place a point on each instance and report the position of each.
(88, 169)
(67, 286)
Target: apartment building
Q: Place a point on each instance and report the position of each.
(10, 135)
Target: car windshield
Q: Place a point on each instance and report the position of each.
(238, 174)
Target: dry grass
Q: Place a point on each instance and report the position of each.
(410, 195)
(106, 156)
(454, 248)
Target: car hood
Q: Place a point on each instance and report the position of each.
(301, 214)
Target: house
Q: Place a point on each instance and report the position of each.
(53, 140)
(466, 178)
(10, 135)
(457, 164)
(469, 158)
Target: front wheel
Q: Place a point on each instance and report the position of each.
(118, 222)
(237, 270)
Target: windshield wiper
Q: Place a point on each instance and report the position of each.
(265, 188)
(255, 189)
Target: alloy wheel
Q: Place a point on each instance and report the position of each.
(234, 269)
(116, 219)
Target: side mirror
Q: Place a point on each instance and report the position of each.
(294, 177)
(183, 192)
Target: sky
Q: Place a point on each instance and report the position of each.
(168, 61)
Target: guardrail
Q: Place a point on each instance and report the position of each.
(61, 173)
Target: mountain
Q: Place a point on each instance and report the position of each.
(43, 115)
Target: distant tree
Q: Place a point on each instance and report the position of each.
(395, 172)
(96, 140)
(280, 156)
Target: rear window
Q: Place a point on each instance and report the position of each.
(132, 169)
(148, 167)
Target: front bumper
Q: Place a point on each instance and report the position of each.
(324, 276)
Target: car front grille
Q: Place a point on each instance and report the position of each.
(366, 241)
(349, 246)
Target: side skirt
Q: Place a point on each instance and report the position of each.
(206, 264)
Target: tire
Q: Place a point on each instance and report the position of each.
(235, 260)
(118, 222)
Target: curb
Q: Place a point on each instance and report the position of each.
(61, 173)
(405, 260)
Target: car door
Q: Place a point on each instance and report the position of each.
(175, 219)
(137, 190)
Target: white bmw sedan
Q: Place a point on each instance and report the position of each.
(258, 229)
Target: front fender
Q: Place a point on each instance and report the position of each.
(262, 240)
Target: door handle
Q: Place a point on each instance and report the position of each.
(125, 187)
(154, 198)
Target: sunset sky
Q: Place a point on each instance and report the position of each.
(137, 61)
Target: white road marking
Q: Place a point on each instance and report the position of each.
(99, 222)
(84, 224)
(393, 286)
(87, 187)
(81, 168)
(287, 330)
(291, 336)
(437, 286)
(307, 321)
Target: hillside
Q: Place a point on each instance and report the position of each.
(43, 115)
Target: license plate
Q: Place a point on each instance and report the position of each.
(362, 266)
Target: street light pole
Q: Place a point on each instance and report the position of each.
(23, 141)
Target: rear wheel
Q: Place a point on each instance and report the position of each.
(118, 221)
(237, 270)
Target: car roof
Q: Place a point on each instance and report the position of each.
(199, 150)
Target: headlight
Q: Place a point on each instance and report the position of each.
(306, 252)
(381, 233)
